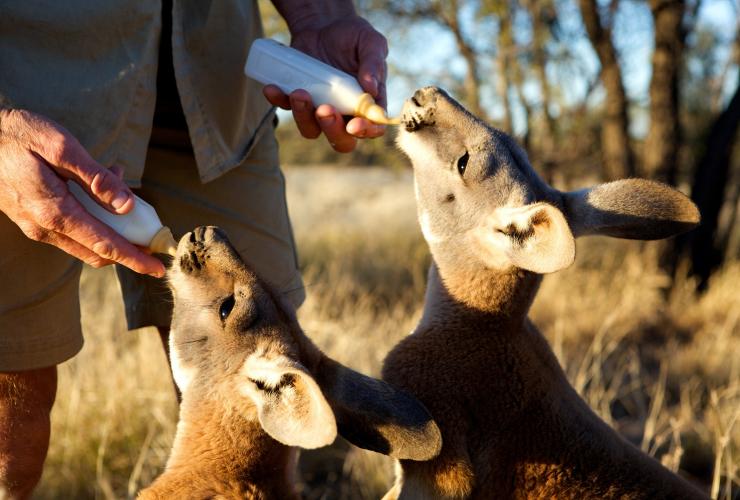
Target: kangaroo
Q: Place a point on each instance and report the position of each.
(254, 386)
(512, 426)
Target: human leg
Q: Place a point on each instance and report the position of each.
(39, 328)
(26, 399)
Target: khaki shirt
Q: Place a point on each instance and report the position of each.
(92, 67)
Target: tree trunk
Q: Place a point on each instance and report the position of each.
(516, 73)
(616, 150)
(472, 81)
(502, 86)
(447, 14)
(663, 141)
(526, 138)
(539, 10)
(506, 63)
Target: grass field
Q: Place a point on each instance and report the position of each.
(665, 372)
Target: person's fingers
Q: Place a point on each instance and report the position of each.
(63, 152)
(332, 124)
(276, 97)
(78, 225)
(372, 50)
(364, 128)
(75, 249)
(70, 160)
(382, 97)
(303, 114)
(118, 171)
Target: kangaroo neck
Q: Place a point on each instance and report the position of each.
(230, 452)
(477, 290)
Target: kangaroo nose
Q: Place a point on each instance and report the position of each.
(207, 234)
(425, 96)
(419, 111)
(214, 233)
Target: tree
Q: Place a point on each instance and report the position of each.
(513, 66)
(617, 153)
(505, 60)
(663, 142)
(543, 15)
(446, 14)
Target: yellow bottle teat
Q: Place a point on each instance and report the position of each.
(368, 108)
(164, 242)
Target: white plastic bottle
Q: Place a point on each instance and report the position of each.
(141, 226)
(270, 62)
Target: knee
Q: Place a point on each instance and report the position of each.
(26, 399)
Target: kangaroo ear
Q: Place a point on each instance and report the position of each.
(636, 209)
(374, 415)
(534, 237)
(290, 405)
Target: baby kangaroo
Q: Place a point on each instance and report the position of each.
(512, 426)
(254, 386)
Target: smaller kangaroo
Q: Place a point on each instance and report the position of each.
(254, 386)
(512, 426)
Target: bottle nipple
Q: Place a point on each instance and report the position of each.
(367, 107)
(164, 242)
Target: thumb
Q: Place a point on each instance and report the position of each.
(371, 71)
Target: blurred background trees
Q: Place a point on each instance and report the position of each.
(595, 90)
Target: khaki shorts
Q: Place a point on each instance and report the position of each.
(39, 299)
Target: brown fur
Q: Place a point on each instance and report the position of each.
(512, 426)
(254, 386)
(221, 454)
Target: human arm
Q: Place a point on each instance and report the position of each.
(332, 31)
(37, 158)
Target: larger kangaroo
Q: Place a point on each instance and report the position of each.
(512, 426)
(254, 386)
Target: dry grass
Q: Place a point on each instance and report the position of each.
(665, 373)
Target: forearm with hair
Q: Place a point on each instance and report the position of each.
(303, 14)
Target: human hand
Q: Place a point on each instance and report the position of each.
(351, 44)
(37, 157)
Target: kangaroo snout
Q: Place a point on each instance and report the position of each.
(196, 248)
(201, 236)
(430, 106)
(419, 110)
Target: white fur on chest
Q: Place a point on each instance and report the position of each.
(181, 374)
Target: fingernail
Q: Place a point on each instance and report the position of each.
(372, 82)
(120, 199)
(377, 129)
(327, 120)
(299, 105)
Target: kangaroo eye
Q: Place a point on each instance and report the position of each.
(462, 163)
(226, 307)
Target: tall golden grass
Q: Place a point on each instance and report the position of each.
(664, 371)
